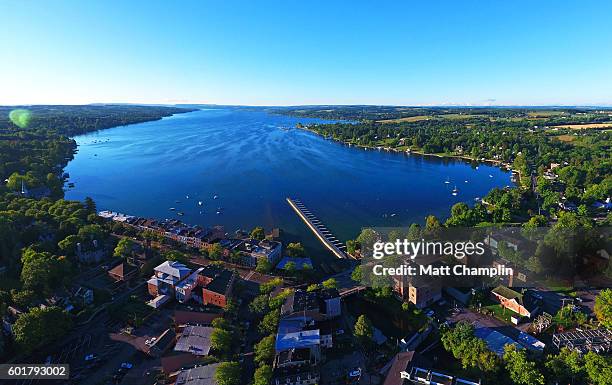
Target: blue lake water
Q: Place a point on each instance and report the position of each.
(252, 162)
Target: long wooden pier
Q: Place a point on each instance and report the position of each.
(320, 231)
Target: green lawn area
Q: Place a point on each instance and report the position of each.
(558, 286)
(500, 313)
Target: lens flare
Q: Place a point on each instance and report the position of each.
(20, 117)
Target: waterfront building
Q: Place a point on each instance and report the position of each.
(318, 305)
(253, 250)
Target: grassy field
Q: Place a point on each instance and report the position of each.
(566, 138)
(419, 118)
(460, 116)
(545, 114)
(406, 119)
(586, 126)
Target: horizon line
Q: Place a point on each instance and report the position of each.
(604, 105)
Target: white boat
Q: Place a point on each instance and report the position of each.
(199, 203)
(490, 176)
(447, 181)
(216, 196)
(455, 191)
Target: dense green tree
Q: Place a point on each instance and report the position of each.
(290, 268)
(220, 323)
(351, 246)
(432, 227)
(414, 232)
(470, 350)
(313, 287)
(268, 287)
(221, 340)
(363, 328)
(175, 255)
(269, 323)
(599, 368)
(295, 250)
(565, 366)
(258, 233)
(215, 252)
(603, 307)
(264, 350)
(125, 248)
(228, 373)
(521, 370)
(263, 266)
(366, 240)
(40, 326)
(330, 283)
(259, 305)
(357, 274)
(263, 375)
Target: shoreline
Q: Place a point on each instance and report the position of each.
(495, 162)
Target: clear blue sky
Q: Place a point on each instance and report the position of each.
(403, 52)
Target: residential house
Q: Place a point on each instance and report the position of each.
(199, 375)
(524, 305)
(89, 252)
(402, 362)
(194, 340)
(123, 272)
(519, 276)
(83, 296)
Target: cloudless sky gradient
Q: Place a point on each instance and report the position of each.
(402, 52)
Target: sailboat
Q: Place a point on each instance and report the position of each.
(199, 203)
(455, 191)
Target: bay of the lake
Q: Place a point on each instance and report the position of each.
(251, 161)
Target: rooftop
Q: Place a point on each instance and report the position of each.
(195, 340)
(221, 282)
(200, 375)
(495, 340)
(173, 268)
(297, 340)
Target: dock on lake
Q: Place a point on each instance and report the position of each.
(318, 228)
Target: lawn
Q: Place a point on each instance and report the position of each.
(501, 313)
